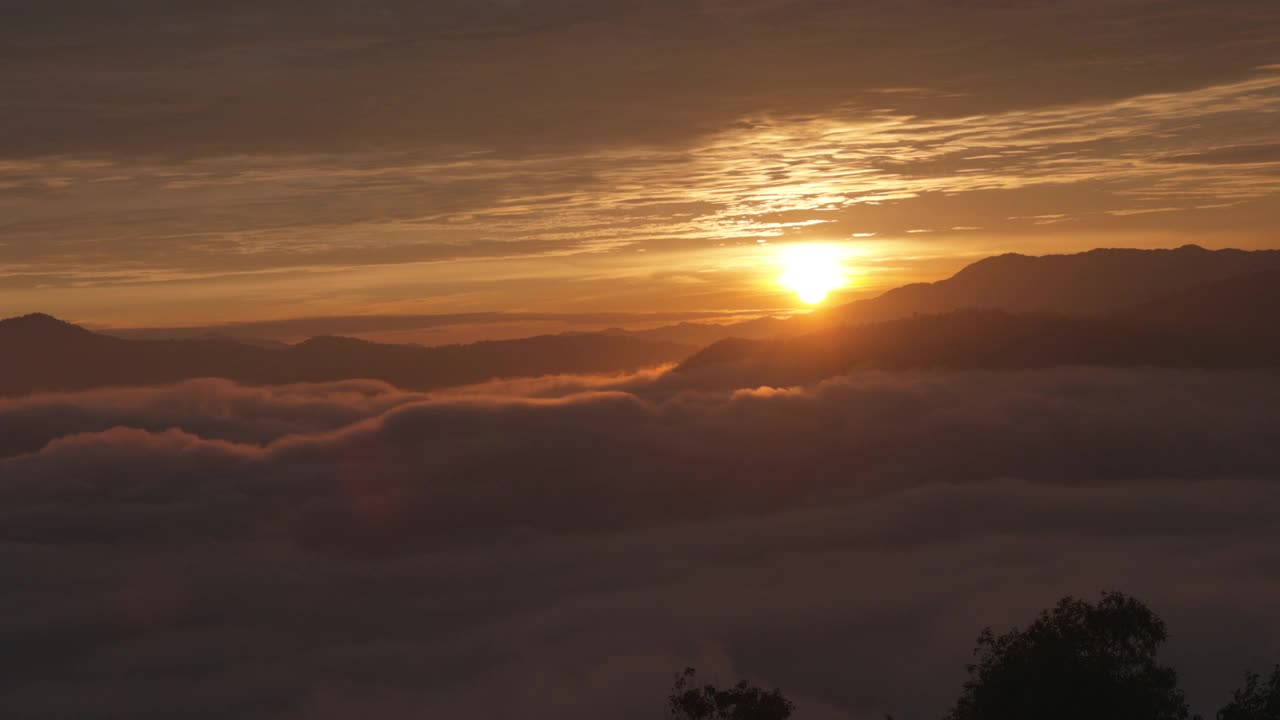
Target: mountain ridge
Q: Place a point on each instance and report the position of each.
(1098, 280)
(1131, 305)
(1226, 324)
(42, 353)
(1085, 283)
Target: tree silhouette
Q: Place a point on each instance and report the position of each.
(1255, 701)
(1078, 660)
(689, 701)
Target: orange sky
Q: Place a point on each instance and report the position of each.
(211, 165)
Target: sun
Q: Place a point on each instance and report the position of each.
(811, 271)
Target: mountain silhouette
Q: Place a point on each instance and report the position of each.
(1088, 283)
(42, 353)
(38, 328)
(1187, 307)
(1219, 325)
(1081, 284)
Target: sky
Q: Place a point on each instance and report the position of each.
(775, 511)
(179, 163)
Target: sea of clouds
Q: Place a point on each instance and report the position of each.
(560, 547)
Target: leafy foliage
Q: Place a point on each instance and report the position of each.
(1256, 700)
(1078, 660)
(689, 701)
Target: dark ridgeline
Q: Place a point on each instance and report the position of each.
(41, 353)
(1226, 324)
(1087, 283)
(1183, 308)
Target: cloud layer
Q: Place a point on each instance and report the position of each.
(552, 548)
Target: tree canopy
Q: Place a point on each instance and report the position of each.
(690, 701)
(1078, 660)
(1257, 700)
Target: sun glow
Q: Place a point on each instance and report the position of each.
(811, 271)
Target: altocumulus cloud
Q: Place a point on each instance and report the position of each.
(557, 548)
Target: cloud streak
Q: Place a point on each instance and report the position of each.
(732, 187)
(692, 133)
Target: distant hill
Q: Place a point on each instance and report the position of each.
(1187, 307)
(43, 353)
(1087, 283)
(1081, 284)
(700, 335)
(1218, 325)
